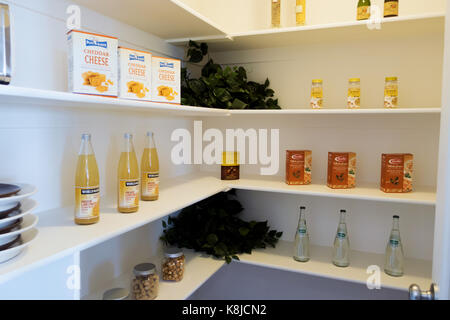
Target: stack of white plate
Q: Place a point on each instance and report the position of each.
(17, 223)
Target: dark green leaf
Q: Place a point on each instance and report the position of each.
(238, 104)
(244, 231)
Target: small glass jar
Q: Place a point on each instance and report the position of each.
(354, 93)
(230, 166)
(317, 94)
(391, 93)
(173, 265)
(145, 282)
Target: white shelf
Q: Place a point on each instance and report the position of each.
(28, 96)
(421, 196)
(309, 111)
(164, 18)
(412, 25)
(59, 236)
(198, 270)
(416, 271)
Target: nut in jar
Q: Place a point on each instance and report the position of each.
(145, 282)
(173, 265)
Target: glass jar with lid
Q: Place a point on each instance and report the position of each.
(317, 94)
(173, 265)
(354, 93)
(145, 282)
(391, 92)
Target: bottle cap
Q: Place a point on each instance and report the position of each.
(317, 81)
(173, 252)
(396, 217)
(116, 294)
(150, 134)
(355, 80)
(302, 208)
(391, 78)
(128, 135)
(343, 211)
(86, 136)
(144, 269)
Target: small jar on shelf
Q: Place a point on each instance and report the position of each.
(230, 166)
(354, 93)
(145, 282)
(391, 93)
(317, 94)
(173, 265)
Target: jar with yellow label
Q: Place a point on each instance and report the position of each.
(317, 94)
(354, 93)
(391, 92)
(230, 166)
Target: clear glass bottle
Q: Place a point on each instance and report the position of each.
(301, 250)
(128, 178)
(87, 185)
(276, 13)
(354, 93)
(394, 251)
(341, 249)
(145, 282)
(150, 170)
(173, 265)
(317, 94)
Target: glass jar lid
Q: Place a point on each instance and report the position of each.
(317, 81)
(116, 294)
(391, 78)
(144, 269)
(173, 252)
(355, 80)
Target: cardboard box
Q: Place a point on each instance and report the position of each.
(298, 167)
(135, 75)
(341, 170)
(396, 173)
(166, 80)
(93, 64)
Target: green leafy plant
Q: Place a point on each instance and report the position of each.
(213, 226)
(224, 88)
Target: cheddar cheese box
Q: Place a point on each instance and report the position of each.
(166, 80)
(135, 74)
(93, 64)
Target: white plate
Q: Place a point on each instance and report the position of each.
(26, 207)
(10, 202)
(28, 222)
(27, 238)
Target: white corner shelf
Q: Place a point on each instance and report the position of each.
(27, 96)
(411, 25)
(370, 192)
(164, 18)
(198, 270)
(416, 271)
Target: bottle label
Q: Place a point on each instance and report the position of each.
(363, 12)
(316, 97)
(87, 202)
(150, 184)
(354, 98)
(302, 231)
(394, 243)
(391, 96)
(128, 193)
(341, 235)
(391, 8)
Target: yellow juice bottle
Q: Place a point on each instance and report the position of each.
(150, 170)
(87, 185)
(128, 178)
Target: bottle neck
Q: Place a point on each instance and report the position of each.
(128, 145)
(342, 217)
(396, 225)
(150, 141)
(86, 146)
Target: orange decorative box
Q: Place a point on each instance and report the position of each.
(341, 170)
(298, 167)
(396, 173)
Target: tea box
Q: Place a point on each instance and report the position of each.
(298, 167)
(341, 170)
(396, 173)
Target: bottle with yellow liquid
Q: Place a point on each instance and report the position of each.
(128, 178)
(150, 170)
(87, 185)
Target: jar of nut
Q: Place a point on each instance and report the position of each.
(145, 282)
(173, 265)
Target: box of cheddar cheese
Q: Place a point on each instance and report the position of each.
(93, 63)
(166, 80)
(135, 74)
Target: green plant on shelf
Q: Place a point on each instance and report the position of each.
(213, 226)
(224, 88)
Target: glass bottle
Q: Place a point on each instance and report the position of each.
(128, 178)
(300, 12)
(301, 251)
(341, 249)
(394, 251)
(390, 8)
(363, 10)
(87, 185)
(354, 93)
(317, 94)
(276, 13)
(150, 170)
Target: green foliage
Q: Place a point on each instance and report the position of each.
(224, 88)
(212, 226)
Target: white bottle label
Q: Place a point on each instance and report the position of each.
(299, 9)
